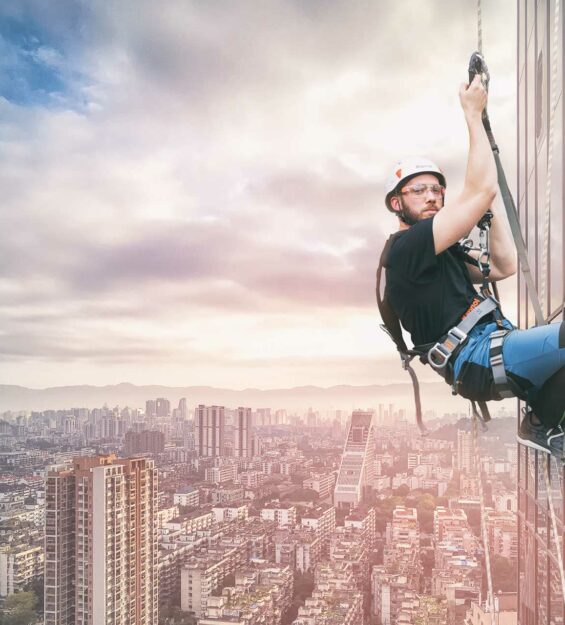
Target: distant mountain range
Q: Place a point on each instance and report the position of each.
(435, 396)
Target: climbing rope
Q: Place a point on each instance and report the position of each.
(549, 178)
(479, 27)
(490, 592)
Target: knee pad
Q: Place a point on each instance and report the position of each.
(549, 405)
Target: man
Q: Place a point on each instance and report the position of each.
(430, 286)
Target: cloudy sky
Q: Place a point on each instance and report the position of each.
(192, 191)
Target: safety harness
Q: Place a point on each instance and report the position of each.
(441, 354)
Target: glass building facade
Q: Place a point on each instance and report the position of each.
(540, 600)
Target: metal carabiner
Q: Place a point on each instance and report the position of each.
(477, 65)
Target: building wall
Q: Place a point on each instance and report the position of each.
(539, 594)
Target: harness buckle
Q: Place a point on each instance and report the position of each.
(459, 335)
(442, 356)
(440, 353)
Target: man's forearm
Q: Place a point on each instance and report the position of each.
(503, 250)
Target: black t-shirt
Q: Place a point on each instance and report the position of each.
(429, 293)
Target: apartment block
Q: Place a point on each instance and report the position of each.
(20, 564)
(243, 439)
(188, 497)
(221, 474)
(299, 549)
(283, 514)
(209, 430)
(226, 512)
(335, 600)
(393, 599)
(465, 458)
(251, 479)
(203, 574)
(179, 538)
(502, 531)
(101, 563)
(363, 520)
(322, 483)
(322, 520)
(260, 596)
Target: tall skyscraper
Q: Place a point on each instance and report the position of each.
(209, 426)
(183, 410)
(541, 108)
(242, 433)
(357, 469)
(101, 564)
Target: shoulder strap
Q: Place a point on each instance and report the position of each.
(391, 323)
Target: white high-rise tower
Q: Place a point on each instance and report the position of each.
(356, 472)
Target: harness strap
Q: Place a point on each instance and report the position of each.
(391, 325)
(502, 384)
(443, 350)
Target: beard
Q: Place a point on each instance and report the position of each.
(410, 216)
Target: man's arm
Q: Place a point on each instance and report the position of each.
(456, 219)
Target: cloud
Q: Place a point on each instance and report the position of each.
(175, 170)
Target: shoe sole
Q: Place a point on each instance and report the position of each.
(530, 443)
(558, 454)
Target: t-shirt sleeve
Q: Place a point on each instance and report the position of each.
(413, 252)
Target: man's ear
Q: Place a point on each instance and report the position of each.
(395, 203)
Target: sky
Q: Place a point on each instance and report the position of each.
(192, 192)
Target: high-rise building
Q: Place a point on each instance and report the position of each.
(465, 457)
(357, 469)
(540, 598)
(209, 427)
(150, 409)
(101, 551)
(243, 447)
(183, 410)
(162, 407)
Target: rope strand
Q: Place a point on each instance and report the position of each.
(479, 28)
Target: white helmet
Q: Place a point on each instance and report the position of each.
(408, 168)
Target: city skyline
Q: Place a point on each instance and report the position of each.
(194, 196)
(261, 538)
